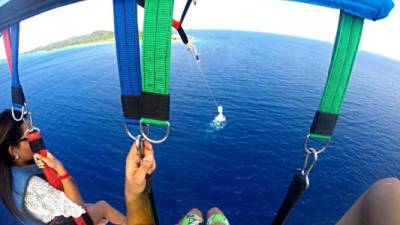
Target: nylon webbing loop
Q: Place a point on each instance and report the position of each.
(156, 58)
(348, 37)
(128, 56)
(11, 43)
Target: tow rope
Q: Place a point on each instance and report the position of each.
(348, 37)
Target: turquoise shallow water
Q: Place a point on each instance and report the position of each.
(269, 85)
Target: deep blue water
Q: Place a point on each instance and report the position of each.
(269, 85)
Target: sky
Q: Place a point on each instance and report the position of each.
(270, 16)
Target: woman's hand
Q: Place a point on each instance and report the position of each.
(137, 169)
(51, 161)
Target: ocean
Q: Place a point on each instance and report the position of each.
(269, 85)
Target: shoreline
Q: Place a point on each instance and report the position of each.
(173, 41)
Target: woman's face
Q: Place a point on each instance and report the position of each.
(22, 152)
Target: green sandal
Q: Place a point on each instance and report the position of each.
(217, 218)
(192, 219)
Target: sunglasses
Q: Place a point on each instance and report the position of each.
(23, 138)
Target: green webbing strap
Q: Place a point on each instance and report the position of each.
(348, 37)
(156, 61)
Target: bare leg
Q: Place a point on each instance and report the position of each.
(192, 212)
(379, 205)
(102, 210)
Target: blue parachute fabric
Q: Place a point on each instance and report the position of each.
(15, 83)
(368, 9)
(14, 11)
(128, 50)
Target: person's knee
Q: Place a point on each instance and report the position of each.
(381, 202)
(387, 186)
(103, 204)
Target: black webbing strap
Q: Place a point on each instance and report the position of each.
(17, 95)
(183, 35)
(153, 206)
(296, 190)
(324, 123)
(132, 106)
(156, 107)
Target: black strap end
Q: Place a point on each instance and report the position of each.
(131, 106)
(17, 95)
(324, 123)
(183, 35)
(155, 106)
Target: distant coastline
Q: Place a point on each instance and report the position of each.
(95, 37)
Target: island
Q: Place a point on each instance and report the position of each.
(94, 37)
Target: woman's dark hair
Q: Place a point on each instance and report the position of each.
(10, 132)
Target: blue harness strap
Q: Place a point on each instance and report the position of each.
(17, 94)
(128, 56)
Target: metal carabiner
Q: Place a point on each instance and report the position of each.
(308, 149)
(306, 169)
(28, 120)
(193, 50)
(143, 134)
(24, 107)
(131, 136)
(140, 146)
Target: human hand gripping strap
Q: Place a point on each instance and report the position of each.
(37, 146)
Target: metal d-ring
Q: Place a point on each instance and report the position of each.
(143, 134)
(308, 149)
(131, 136)
(22, 113)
